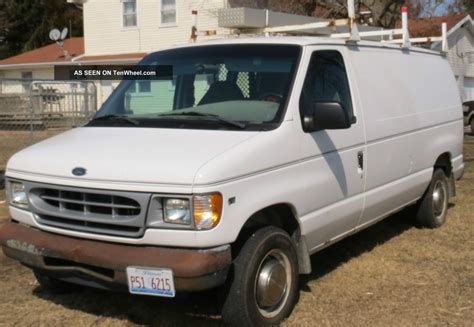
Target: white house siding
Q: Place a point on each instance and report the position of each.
(461, 42)
(104, 32)
(161, 95)
(38, 73)
(12, 83)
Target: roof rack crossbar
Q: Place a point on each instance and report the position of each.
(308, 26)
(397, 31)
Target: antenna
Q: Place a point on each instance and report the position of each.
(59, 37)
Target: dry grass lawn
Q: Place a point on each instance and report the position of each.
(391, 274)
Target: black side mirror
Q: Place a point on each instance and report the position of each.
(326, 115)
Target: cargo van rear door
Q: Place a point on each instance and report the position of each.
(332, 159)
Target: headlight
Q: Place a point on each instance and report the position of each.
(207, 210)
(177, 211)
(17, 195)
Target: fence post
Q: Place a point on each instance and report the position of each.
(32, 109)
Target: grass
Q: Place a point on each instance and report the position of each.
(390, 274)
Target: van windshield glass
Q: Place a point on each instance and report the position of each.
(213, 87)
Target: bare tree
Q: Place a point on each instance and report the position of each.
(461, 7)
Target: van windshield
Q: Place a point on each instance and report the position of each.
(238, 86)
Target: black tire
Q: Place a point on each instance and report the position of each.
(269, 249)
(55, 285)
(472, 126)
(2, 179)
(433, 207)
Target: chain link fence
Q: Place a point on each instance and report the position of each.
(33, 110)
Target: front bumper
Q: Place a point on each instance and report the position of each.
(103, 265)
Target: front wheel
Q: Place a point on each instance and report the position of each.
(264, 286)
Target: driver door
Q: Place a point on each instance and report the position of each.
(333, 160)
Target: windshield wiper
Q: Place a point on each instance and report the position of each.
(202, 114)
(117, 118)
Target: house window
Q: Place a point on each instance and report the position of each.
(168, 12)
(143, 87)
(129, 13)
(26, 77)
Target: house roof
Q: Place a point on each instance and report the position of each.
(49, 53)
(431, 26)
(52, 54)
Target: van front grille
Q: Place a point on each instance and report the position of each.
(89, 210)
(114, 206)
(87, 226)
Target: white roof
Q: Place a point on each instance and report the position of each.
(298, 40)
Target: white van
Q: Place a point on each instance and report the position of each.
(256, 154)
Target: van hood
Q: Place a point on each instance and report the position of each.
(137, 155)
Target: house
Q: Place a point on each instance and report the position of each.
(461, 55)
(39, 63)
(460, 46)
(118, 32)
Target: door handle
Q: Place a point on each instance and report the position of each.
(360, 160)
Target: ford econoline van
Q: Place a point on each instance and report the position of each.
(254, 155)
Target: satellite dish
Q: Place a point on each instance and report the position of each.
(54, 34)
(64, 33)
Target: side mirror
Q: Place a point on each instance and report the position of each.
(326, 115)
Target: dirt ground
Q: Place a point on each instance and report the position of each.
(392, 274)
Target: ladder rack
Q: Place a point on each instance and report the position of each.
(266, 22)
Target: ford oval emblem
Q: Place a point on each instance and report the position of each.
(79, 171)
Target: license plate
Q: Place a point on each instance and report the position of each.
(151, 281)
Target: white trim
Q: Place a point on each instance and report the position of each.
(168, 25)
(131, 28)
(35, 65)
(105, 61)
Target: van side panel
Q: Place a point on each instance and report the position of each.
(413, 114)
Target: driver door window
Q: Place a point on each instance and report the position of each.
(326, 81)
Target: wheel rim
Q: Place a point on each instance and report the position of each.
(439, 199)
(272, 283)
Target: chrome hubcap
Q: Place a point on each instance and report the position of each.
(439, 199)
(272, 283)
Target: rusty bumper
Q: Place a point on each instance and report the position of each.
(103, 264)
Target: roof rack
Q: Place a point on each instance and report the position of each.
(266, 22)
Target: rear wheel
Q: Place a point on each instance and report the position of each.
(264, 287)
(53, 284)
(433, 207)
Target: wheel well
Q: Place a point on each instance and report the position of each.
(444, 162)
(279, 215)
